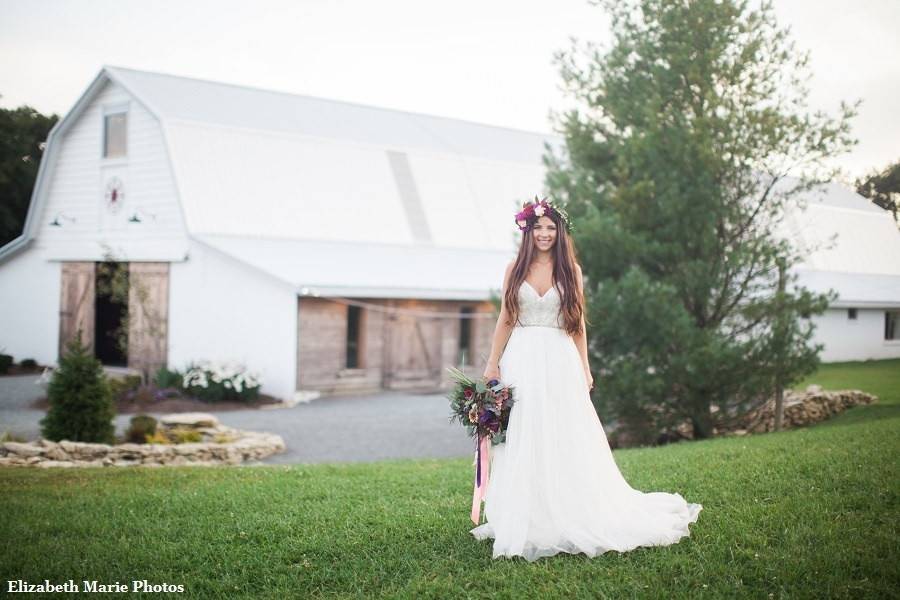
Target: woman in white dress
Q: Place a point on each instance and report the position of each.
(554, 485)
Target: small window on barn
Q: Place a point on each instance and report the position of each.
(115, 127)
(892, 324)
(353, 331)
(851, 314)
(465, 336)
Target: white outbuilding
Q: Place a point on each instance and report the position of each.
(851, 246)
(327, 246)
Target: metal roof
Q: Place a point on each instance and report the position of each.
(354, 269)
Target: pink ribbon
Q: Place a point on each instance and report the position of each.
(482, 472)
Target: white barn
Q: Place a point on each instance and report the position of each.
(244, 209)
(304, 237)
(853, 247)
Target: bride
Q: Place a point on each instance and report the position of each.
(554, 485)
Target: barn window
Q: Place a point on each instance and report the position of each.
(353, 331)
(114, 134)
(465, 335)
(851, 314)
(892, 324)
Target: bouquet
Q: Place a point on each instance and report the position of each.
(484, 408)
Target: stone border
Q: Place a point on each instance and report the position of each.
(244, 445)
(814, 405)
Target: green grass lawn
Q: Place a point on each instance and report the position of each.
(811, 513)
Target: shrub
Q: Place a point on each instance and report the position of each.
(28, 363)
(165, 378)
(158, 437)
(183, 435)
(6, 361)
(141, 427)
(177, 435)
(120, 386)
(81, 406)
(212, 382)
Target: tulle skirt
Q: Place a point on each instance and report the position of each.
(554, 485)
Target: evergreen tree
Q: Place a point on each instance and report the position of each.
(674, 168)
(81, 404)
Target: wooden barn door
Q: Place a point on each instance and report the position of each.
(76, 309)
(415, 353)
(148, 313)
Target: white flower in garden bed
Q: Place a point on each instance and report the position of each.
(230, 375)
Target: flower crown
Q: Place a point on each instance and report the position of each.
(530, 212)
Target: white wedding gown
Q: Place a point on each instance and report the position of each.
(554, 485)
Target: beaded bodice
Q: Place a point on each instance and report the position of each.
(536, 310)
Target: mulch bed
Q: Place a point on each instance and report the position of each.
(176, 405)
(20, 370)
(167, 405)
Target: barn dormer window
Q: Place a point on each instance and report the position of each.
(115, 134)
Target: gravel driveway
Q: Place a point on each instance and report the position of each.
(337, 429)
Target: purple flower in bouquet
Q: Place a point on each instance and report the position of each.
(489, 420)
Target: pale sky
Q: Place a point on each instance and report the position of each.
(488, 61)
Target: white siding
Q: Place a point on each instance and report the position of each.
(847, 339)
(77, 189)
(29, 307)
(223, 310)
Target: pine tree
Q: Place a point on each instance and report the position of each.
(81, 404)
(674, 169)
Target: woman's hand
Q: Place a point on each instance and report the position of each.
(492, 371)
(589, 379)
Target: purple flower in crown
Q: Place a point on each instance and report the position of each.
(531, 211)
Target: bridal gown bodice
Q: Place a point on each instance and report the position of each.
(536, 310)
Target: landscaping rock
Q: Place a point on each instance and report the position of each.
(21, 449)
(806, 408)
(245, 445)
(193, 420)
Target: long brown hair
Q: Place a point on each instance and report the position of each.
(564, 276)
